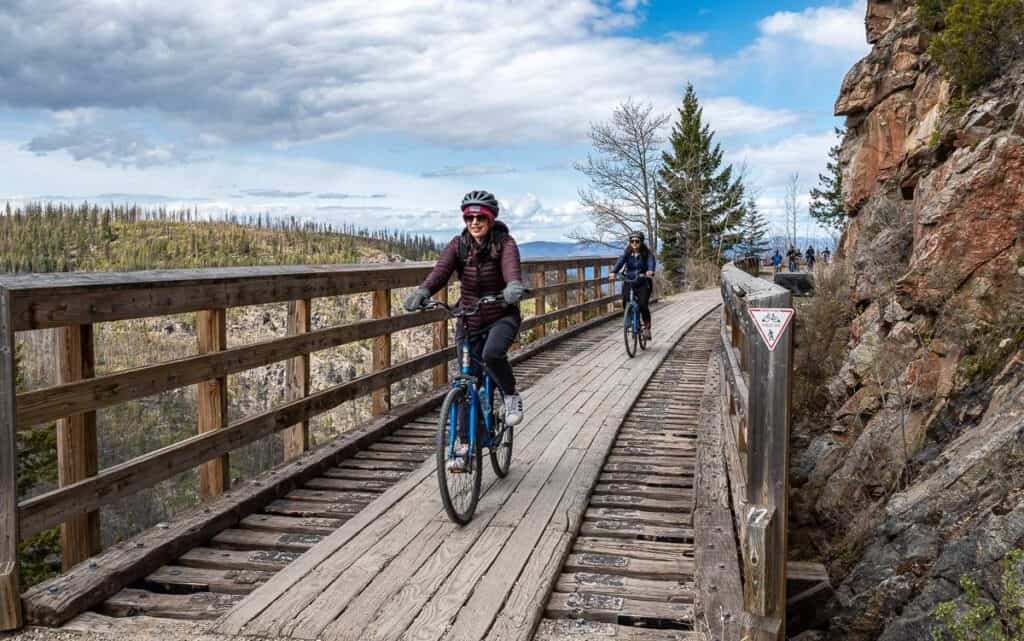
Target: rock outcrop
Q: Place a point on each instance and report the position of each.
(921, 468)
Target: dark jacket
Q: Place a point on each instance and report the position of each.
(485, 272)
(635, 263)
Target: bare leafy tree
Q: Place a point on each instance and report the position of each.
(622, 173)
(792, 208)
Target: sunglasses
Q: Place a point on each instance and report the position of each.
(634, 242)
(476, 218)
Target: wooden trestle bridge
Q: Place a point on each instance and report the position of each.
(646, 501)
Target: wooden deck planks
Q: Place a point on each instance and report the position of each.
(355, 580)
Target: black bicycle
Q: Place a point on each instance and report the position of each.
(460, 440)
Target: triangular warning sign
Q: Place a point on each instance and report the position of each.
(771, 322)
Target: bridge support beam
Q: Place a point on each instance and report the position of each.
(382, 351)
(563, 298)
(296, 437)
(211, 330)
(538, 282)
(440, 372)
(10, 593)
(77, 453)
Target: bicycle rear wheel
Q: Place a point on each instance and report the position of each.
(629, 331)
(458, 479)
(501, 448)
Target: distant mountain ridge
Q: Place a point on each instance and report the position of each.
(550, 249)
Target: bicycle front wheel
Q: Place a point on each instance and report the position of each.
(501, 445)
(629, 331)
(459, 468)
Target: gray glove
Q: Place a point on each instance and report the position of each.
(513, 292)
(416, 299)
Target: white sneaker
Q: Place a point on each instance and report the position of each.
(460, 459)
(513, 409)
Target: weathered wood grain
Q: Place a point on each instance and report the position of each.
(381, 351)
(296, 437)
(10, 600)
(609, 609)
(122, 480)
(440, 372)
(201, 605)
(41, 301)
(563, 298)
(54, 602)
(212, 397)
(77, 449)
(53, 402)
(178, 579)
(579, 630)
(540, 301)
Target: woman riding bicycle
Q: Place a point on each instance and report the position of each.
(638, 261)
(487, 261)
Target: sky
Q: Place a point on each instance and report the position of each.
(384, 114)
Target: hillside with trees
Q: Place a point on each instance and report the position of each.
(47, 237)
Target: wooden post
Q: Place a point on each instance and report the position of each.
(768, 425)
(382, 350)
(10, 593)
(77, 454)
(581, 293)
(597, 286)
(538, 282)
(211, 329)
(441, 341)
(563, 298)
(296, 437)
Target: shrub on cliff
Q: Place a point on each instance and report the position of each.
(979, 39)
(1002, 620)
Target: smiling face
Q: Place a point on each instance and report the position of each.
(478, 225)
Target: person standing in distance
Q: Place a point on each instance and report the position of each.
(486, 258)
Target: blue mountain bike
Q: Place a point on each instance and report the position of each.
(632, 331)
(472, 418)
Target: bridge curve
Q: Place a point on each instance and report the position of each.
(389, 565)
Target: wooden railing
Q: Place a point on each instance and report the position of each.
(70, 304)
(756, 400)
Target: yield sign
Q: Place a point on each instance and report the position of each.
(771, 323)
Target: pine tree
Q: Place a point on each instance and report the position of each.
(753, 232)
(826, 205)
(701, 201)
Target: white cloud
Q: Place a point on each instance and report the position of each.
(466, 73)
(472, 73)
(770, 167)
(116, 147)
(839, 28)
(446, 172)
(413, 203)
(729, 116)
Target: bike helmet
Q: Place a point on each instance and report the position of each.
(481, 198)
(636, 234)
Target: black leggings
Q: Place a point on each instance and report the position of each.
(491, 347)
(643, 297)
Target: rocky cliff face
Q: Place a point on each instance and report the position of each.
(920, 475)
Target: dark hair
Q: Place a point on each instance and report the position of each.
(645, 251)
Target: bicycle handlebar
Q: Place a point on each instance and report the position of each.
(462, 312)
(633, 280)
